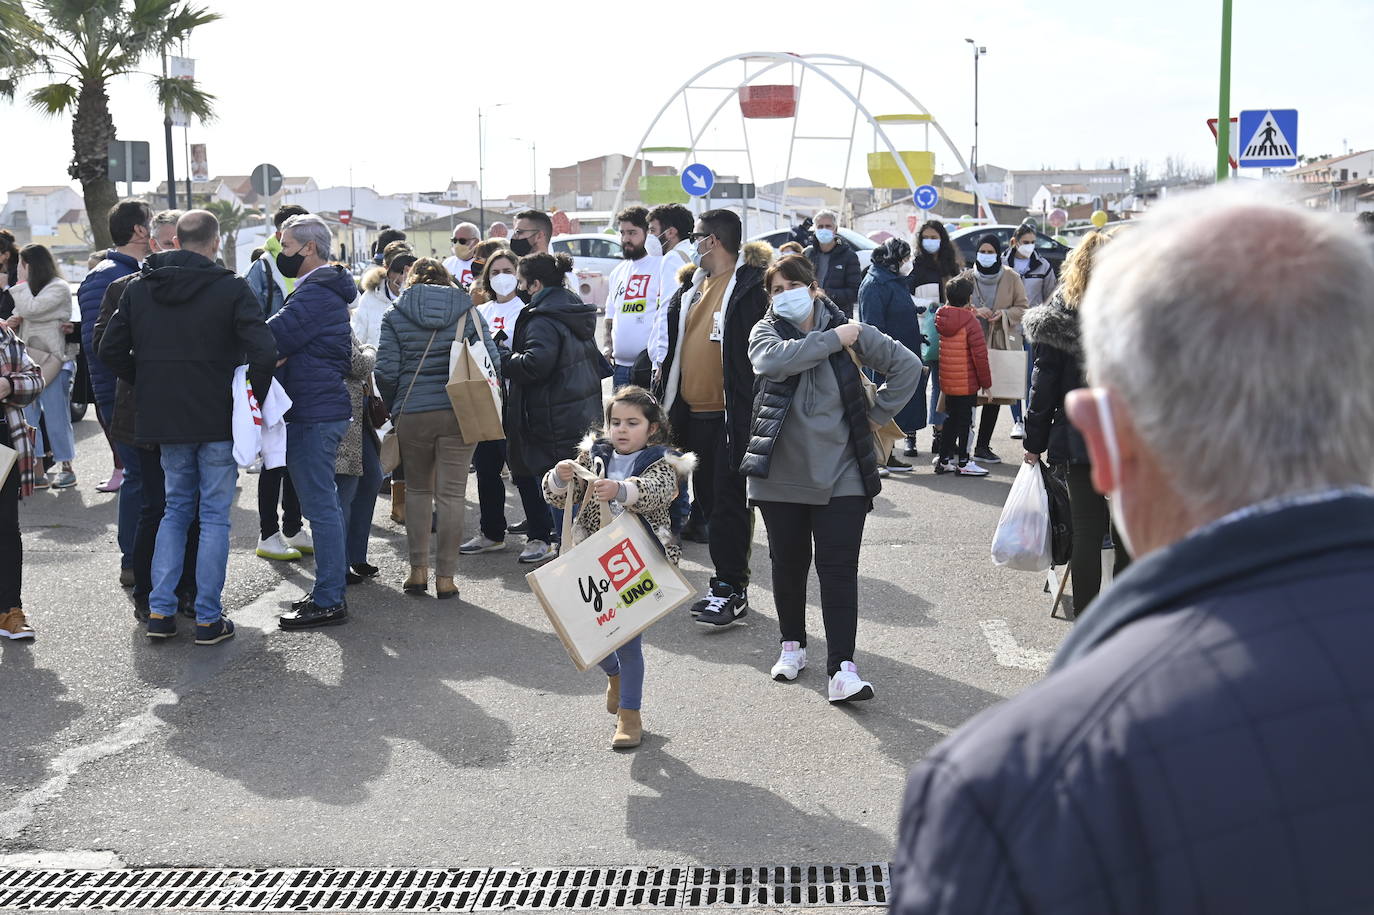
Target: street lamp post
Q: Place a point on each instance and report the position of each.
(481, 170)
(1224, 97)
(978, 51)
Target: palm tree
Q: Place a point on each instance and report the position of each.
(81, 45)
(231, 219)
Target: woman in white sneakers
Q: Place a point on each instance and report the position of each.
(812, 462)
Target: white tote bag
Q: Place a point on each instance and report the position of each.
(1008, 374)
(609, 588)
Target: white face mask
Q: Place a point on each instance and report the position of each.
(931, 245)
(1115, 501)
(794, 305)
(1025, 250)
(905, 269)
(504, 284)
(985, 259)
(653, 246)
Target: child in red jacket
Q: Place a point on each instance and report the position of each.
(964, 371)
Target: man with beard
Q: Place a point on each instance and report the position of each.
(633, 300)
(465, 239)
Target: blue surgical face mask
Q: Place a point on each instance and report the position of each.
(698, 254)
(985, 259)
(825, 236)
(931, 245)
(794, 305)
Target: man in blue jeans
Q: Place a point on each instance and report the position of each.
(178, 333)
(314, 342)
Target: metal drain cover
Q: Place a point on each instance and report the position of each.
(443, 889)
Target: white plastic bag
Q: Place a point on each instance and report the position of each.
(1022, 540)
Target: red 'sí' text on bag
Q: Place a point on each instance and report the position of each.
(622, 563)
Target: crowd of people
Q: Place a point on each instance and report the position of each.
(739, 380)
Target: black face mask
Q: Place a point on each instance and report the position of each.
(521, 247)
(523, 295)
(290, 264)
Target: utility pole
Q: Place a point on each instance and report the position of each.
(1224, 102)
(167, 134)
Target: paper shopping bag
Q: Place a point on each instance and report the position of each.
(475, 393)
(608, 589)
(8, 459)
(1008, 374)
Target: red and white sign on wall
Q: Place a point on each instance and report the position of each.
(345, 216)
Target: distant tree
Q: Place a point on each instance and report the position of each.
(231, 218)
(80, 45)
(1140, 175)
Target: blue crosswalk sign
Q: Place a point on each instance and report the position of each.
(926, 197)
(1268, 138)
(698, 180)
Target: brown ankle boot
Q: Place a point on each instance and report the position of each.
(628, 729)
(398, 503)
(418, 581)
(613, 694)
(445, 587)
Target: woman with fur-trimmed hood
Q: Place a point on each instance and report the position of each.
(1057, 369)
(629, 468)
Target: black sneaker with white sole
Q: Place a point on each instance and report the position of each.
(722, 607)
(897, 465)
(986, 456)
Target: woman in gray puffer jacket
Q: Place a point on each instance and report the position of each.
(418, 333)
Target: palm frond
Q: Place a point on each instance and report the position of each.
(54, 98)
(186, 95)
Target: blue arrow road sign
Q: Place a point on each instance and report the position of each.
(926, 197)
(698, 180)
(1268, 138)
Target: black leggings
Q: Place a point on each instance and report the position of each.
(11, 546)
(275, 486)
(1091, 521)
(837, 529)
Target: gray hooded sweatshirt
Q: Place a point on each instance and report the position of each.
(813, 459)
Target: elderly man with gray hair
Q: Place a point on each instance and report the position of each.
(315, 343)
(1205, 739)
(835, 260)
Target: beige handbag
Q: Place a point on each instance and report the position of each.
(889, 435)
(50, 364)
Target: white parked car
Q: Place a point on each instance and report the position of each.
(862, 246)
(594, 257)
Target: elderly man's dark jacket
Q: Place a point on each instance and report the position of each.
(1204, 742)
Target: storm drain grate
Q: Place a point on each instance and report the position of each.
(582, 888)
(444, 889)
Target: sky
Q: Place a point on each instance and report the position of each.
(390, 92)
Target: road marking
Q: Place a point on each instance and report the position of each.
(135, 730)
(129, 733)
(1007, 652)
(61, 860)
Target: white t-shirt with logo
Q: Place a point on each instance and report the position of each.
(461, 269)
(501, 316)
(631, 306)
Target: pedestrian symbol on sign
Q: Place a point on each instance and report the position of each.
(1268, 142)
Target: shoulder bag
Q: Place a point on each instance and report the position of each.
(391, 443)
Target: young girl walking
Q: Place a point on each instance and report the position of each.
(642, 476)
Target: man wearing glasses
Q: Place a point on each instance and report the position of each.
(533, 229)
(465, 239)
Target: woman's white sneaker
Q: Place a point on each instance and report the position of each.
(848, 686)
(790, 663)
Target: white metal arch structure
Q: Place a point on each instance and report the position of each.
(810, 63)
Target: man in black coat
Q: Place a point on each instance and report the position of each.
(178, 334)
(835, 261)
(1205, 739)
(707, 386)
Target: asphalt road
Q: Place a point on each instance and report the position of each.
(459, 733)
